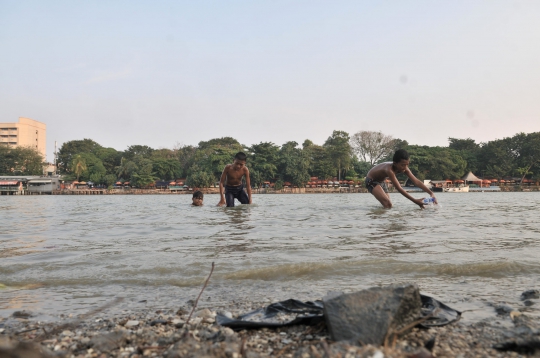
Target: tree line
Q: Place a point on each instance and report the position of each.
(341, 156)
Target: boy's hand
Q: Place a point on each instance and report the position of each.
(435, 200)
(419, 202)
(221, 202)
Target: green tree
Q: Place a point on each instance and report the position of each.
(95, 171)
(186, 157)
(164, 153)
(262, 162)
(133, 152)
(20, 161)
(225, 142)
(167, 169)
(339, 150)
(496, 158)
(293, 164)
(213, 159)
(110, 158)
(126, 168)
(143, 176)
(361, 168)
(528, 156)
(468, 149)
(199, 178)
(78, 165)
(436, 163)
(109, 179)
(321, 164)
(463, 144)
(69, 149)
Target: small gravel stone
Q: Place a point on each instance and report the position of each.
(530, 294)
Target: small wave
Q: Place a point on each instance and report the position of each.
(308, 271)
(314, 270)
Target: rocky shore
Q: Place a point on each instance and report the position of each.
(165, 333)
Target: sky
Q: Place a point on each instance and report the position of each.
(170, 73)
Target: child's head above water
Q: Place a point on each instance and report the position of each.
(197, 198)
(401, 160)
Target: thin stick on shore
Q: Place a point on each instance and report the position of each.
(200, 294)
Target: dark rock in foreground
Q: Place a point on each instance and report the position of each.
(527, 295)
(366, 317)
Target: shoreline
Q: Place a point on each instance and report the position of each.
(344, 190)
(165, 333)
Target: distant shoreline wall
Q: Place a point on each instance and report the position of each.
(256, 191)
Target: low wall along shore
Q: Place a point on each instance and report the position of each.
(342, 190)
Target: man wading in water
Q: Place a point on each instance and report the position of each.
(231, 179)
(400, 164)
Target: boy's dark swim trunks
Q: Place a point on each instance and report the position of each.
(370, 184)
(235, 192)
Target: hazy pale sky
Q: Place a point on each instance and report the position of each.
(162, 73)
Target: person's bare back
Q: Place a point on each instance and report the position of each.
(380, 172)
(375, 180)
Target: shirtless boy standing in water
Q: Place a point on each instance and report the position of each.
(231, 179)
(400, 164)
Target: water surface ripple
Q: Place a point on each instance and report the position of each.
(69, 253)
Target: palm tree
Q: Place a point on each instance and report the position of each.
(125, 168)
(78, 165)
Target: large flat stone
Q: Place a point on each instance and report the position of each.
(365, 317)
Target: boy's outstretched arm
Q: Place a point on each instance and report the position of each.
(397, 185)
(221, 183)
(420, 185)
(248, 184)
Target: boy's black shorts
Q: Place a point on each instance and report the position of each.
(235, 192)
(370, 184)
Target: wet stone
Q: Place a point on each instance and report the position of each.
(226, 314)
(365, 317)
(22, 314)
(503, 310)
(526, 295)
(107, 342)
(158, 321)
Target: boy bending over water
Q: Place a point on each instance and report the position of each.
(231, 181)
(400, 164)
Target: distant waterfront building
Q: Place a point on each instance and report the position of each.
(25, 133)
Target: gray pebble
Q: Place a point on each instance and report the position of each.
(530, 294)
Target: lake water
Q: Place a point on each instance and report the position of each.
(69, 254)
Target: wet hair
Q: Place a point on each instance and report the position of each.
(399, 155)
(198, 194)
(241, 156)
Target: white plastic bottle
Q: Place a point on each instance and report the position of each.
(429, 201)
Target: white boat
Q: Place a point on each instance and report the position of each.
(456, 189)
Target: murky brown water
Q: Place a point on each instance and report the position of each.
(67, 254)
